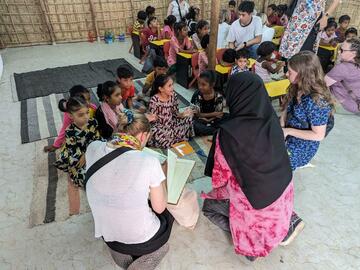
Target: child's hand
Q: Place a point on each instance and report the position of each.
(81, 162)
(49, 148)
(188, 112)
(286, 132)
(333, 42)
(151, 117)
(281, 63)
(219, 115)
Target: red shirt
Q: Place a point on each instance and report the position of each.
(148, 36)
(127, 93)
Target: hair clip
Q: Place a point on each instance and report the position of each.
(130, 116)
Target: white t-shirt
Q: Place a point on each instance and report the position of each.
(267, 33)
(184, 7)
(240, 34)
(222, 34)
(118, 194)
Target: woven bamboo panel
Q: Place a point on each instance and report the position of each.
(22, 22)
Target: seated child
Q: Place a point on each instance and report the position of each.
(124, 80)
(281, 10)
(264, 66)
(75, 91)
(351, 33)
(328, 36)
(228, 58)
(140, 22)
(272, 15)
(160, 67)
(180, 42)
(241, 62)
(170, 126)
(203, 55)
(344, 22)
(168, 30)
(208, 105)
(150, 33)
(233, 11)
(192, 19)
(202, 29)
(150, 12)
(224, 26)
(78, 136)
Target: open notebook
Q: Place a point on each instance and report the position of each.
(178, 171)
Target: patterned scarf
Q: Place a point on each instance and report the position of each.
(125, 140)
(111, 115)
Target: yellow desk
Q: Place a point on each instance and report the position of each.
(185, 55)
(276, 41)
(222, 69)
(183, 69)
(279, 31)
(135, 37)
(277, 88)
(332, 49)
(159, 42)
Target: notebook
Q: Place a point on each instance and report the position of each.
(183, 148)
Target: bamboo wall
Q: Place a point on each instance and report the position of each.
(33, 22)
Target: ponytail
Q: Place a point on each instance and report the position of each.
(62, 105)
(72, 105)
(133, 124)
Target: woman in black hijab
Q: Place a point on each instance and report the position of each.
(252, 194)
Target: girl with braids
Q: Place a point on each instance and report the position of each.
(307, 108)
(75, 91)
(344, 78)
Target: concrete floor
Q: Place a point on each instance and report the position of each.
(327, 196)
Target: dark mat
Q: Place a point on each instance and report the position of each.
(59, 80)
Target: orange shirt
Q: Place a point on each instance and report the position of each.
(127, 93)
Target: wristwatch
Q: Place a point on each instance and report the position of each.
(245, 44)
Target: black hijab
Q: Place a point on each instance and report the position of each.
(252, 141)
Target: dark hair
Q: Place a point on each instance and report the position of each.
(150, 20)
(191, 14)
(75, 91)
(247, 6)
(142, 15)
(201, 24)
(160, 62)
(243, 53)
(351, 30)
(178, 27)
(266, 48)
(355, 45)
(170, 20)
(331, 24)
(124, 72)
(106, 89)
(73, 104)
(229, 56)
(209, 76)
(205, 41)
(273, 7)
(344, 18)
(232, 3)
(149, 10)
(281, 9)
(159, 81)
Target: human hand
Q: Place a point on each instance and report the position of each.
(188, 112)
(286, 132)
(49, 148)
(333, 42)
(219, 115)
(81, 162)
(151, 117)
(323, 23)
(241, 46)
(281, 63)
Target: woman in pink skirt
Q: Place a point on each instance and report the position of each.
(253, 193)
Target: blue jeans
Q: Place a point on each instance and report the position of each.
(252, 51)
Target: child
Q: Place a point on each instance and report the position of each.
(267, 32)
(224, 26)
(228, 58)
(351, 33)
(150, 33)
(171, 126)
(202, 29)
(168, 30)
(203, 55)
(109, 94)
(281, 10)
(241, 62)
(328, 36)
(307, 108)
(264, 66)
(75, 91)
(78, 136)
(272, 15)
(192, 19)
(344, 22)
(160, 67)
(124, 80)
(209, 105)
(179, 43)
(140, 22)
(150, 12)
(233, 12)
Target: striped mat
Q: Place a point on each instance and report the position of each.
(41, 118)
(50, 197)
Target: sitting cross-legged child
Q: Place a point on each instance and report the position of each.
(264, 65)
(241, 62)
(208, 105)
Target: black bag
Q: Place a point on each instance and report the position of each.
(103, 161)
(181, 17)
(306, 125)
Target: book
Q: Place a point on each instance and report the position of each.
(161, 157)
(183, 148)
(178, 171)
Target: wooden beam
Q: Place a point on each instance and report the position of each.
(47, 21)
(94, 19)
(214, 22)
(203, 8)
(266, 3)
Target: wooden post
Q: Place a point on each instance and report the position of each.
(133, 11)
(93, 16)
(203, 8)
(47, 21)
(214, 23)
(266, 3)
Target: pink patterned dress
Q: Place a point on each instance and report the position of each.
(254, 232)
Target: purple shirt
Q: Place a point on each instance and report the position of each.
(347, 77)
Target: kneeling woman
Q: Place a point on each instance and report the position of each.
(135, 230)
(170, 126)
(253, 193)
